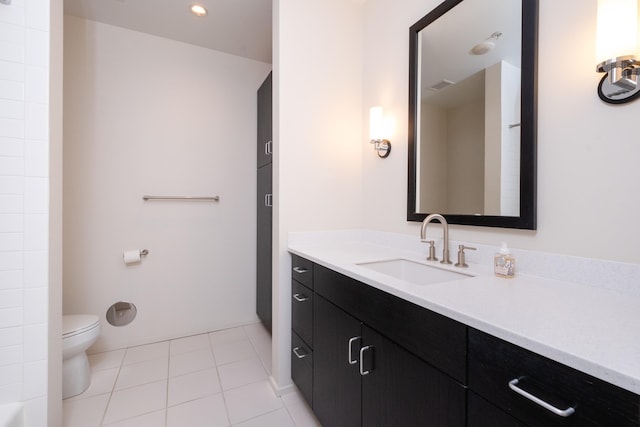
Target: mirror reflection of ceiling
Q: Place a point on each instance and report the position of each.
(437, 41)
(241, 28)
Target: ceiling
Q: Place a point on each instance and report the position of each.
(237, 27)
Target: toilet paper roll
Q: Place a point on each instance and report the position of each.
(131, 257)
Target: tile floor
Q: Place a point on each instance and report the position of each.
(215, 379)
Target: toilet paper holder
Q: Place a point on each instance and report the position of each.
(144, 252)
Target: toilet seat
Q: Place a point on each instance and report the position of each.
(76, 324)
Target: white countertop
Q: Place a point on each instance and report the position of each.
(594, 330)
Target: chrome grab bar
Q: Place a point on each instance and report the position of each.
(212, 198)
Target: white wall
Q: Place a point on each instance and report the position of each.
(318, 140)
(147, 115)
(587, 162)
(24, 182)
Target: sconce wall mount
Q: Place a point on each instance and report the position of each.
(619, 85)
(382, 147)
(617, 50)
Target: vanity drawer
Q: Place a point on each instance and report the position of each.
(302, 366)
(497, 369)
(481, 413)
(302, 311)
(302, 270)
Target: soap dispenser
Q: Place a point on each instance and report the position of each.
(504, 264)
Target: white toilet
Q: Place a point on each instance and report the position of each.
(79, 332)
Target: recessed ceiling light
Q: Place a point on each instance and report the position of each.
(198, 10)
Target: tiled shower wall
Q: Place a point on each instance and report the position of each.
(24, 204)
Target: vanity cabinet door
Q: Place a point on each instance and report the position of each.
(265, 119)
(336, 382)
(399, 389)
(264, 240)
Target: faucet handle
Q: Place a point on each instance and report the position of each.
(432, 250)
(461, 257)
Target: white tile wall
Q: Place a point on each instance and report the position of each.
(24, 199)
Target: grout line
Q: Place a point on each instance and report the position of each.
(166, 395)
(262, 415)
(113, 387)
(224, 398)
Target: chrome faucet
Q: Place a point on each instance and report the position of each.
(445, 228)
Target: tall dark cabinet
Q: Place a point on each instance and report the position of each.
(264, 203)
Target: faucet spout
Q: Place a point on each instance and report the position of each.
(445, 228)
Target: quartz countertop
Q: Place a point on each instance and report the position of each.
(591, 329)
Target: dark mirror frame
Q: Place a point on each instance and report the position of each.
(528, 129)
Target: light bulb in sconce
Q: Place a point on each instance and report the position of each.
(617, 50)
(377, 132)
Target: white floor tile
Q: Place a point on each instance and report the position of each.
(188, 344)
(279, 418)
(180, 364)
(143, 353)
(193, 386)
(234, 352)
(207, 412)
(300, 411)
(153, 419)
(84, 412)
(250, 401)
(135, 401)
(140, 382)
(106, 360)
(226, 336)
(142, 373)
(257, 330)
(102, 382)
(263, 348)
(241, 373)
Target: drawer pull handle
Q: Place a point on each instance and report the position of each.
(352, 361)
(300, 270)
(513, 385)
(362, 350)
(300, 297)
(296, 351)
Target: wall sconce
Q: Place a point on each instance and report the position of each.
(617, 50)
(377, 132)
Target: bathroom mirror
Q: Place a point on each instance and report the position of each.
(472, 113)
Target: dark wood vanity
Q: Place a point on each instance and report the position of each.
(364, 357)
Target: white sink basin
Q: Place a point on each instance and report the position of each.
(414, 272)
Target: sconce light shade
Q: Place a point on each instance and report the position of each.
(377, 132)
(617, 50)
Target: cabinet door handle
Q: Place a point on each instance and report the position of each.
(267, 200)
(352, 361)
(513, 385)
(267, 148)
(296, 351)
(300, 297)
(300, 270)
(362, 350)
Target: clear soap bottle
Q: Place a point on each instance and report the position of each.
(504, 263)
